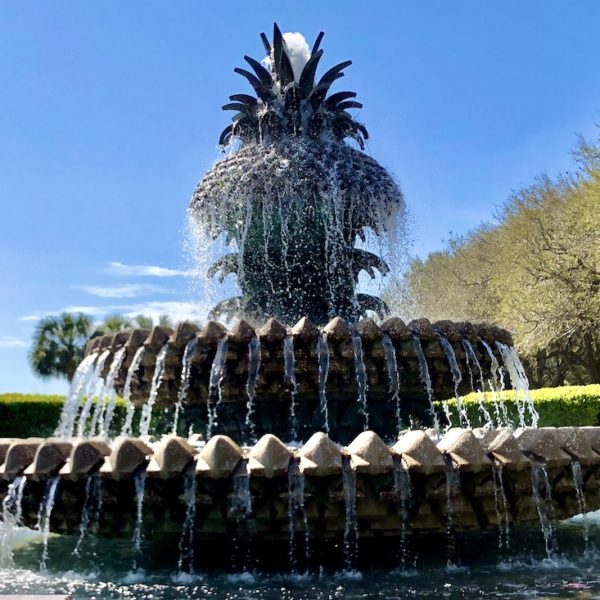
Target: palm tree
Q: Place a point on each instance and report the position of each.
(144, 322)
(165, 321)
(59, 344)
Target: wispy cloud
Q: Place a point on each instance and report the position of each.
(9, 341)
(118, 268)
(131, 290)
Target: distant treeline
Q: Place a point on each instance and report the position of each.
(534, 270)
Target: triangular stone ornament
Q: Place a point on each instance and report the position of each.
(158, 337)
(505, 450)
(184, 333)
(576, 444)
(369, 454)
(542, 444)
(269, 457)
(396, 329)
(368, 329)
(49, 458)
(272, 331)
(212, 332)
(5, 444)
(242, 331)
(465, 450)
(305, 329)
(172, 455)
(127, 455)
(219, 457)
(85, 456)
(320, 456)
(137, 338)
(593, 437)
(119, 340)
(19, 456)
(337, 330)
(419, 453)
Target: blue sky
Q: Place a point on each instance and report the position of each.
(110, 114)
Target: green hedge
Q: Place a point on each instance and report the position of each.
(557, 407)
(26, 415)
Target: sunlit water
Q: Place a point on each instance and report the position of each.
(573, 573)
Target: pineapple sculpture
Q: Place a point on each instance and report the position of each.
(294, 197)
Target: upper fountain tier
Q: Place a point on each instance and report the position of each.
(294, 197)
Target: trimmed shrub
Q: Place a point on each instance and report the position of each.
(35, 415)
(575, 405)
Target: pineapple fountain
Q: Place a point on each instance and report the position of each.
(315, 425)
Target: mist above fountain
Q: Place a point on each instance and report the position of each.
(294, 197)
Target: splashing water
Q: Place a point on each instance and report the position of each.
(452, 492)
(520, 383)
(186, 541)
(578, 485)
(323, 358)
(426, 379)
(296, 512)
(110, 395)
(184, 383)
(140, 488)
(463, 417)
(129, 406)
(44, 515)
(253, 369)
(79, 384)
(361, 376)
(289, 361)
(241, 511)
(93, 389)
(494, 384)
(215, 385)
(157, 378)
(542, 495)
(11, 519)
(90, 512)
(501, 505)
(488, 422)
(394, 377)
(351, 526)
(403, 490)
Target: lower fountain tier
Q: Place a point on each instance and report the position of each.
(414, 486)
(306, 366)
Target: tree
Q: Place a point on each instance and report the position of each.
(114, 324)
(59, 344)
(144, 322)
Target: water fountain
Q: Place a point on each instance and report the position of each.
(315, 425)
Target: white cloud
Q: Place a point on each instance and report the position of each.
(118, 268)
(132, 290)
(9, 341)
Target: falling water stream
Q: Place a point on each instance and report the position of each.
(578, 485)
(351, 526)
(90, 512)
(488, 421)
(323, 358)
(140, 488)
(184, 382)
(289, 361)
(403, 490)
(463, 417)
(254, 361)
(542, 495)
(453, 489)
(93, 389)
(494, 384)
(186, 540)
(129, 406)
(501, 504)
(215, 384)
(11, 519)
(157, 378)
(426, 379)
(361, 376)
(394, 377)
(296, 513)
(109, 394)
(44, 515)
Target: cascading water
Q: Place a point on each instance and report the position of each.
(323, 358)
(253, 369)
(90, 512)
(494, 384)
(241, 511)
(129, 406)
(519, 382)
(184, 383)
(578, 485)
(215, 384)
(110, 395)
(44, 515)
(426, 379)
(289, 361)
(157, 379)
(452, 493)
(361, 376)
(296, 513)
(351, 527)
(11, 519)
(186, 540)
(394, 377)
(471, 357)
(403, 490)
(501, 504)
(463, 417)
(140, 489)
(79, 384)
(94, 387)
(542, 495)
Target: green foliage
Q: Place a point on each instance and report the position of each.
(535, 271)
(558, 407)
(36, 415)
